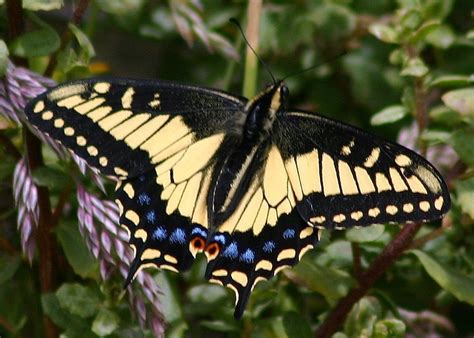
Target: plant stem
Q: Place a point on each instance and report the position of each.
(367, 279)
(254, 10)
(76, 19)
(47, 246)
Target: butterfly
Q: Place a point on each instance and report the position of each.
(249, 183)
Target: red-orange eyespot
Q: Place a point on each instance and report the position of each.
(212, 251)
(196, 245)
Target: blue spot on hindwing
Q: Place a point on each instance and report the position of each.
(199, 231)
(269, 246)
(248, 256)
(151, 217)
(220, 239)
(159, 233)
(288, 233)
(178, 236)
(231, 251)
(144, 199)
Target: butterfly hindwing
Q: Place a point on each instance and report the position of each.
(344, 177)
(249, 257)
(159, 234)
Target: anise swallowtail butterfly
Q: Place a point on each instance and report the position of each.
(248, 182)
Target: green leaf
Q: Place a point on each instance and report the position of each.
(451, 81)
(3, 57)
(77, 254)
(362, 318)
(424, 30)
(78, 299)
(389, 328)
(384, 33)
(168, 298)
(465, 196)
(365, 234)
(105, 323)
(42, 5)
(50, 177)
(52, 308)
(84, 42)
(331, 283)
(8, 267)
(120, 7)
(460, 100)
(389, 114)
(444, 115)
(442, 37)
(296, 326)
(462, 141)
(41, 42)
(459, 284)
(436, 136)
(415, 67)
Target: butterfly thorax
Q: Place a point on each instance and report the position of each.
(235, 173)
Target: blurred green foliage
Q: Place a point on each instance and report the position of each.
(398, 57)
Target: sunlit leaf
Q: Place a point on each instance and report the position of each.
(365, 234)
(105, 323)
(3, 57)
(460, 100)
(389, 115)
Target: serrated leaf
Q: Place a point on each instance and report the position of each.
(451, 81)
(50, 177)
(457, 283)
(78, 299)
(389, 114)
(42, 5)
(384, 33)
(3, 57)
(105, 323)
(365, 234)
(462, 141)
(296, 326)
(331, 283)
(77, 254)
(465, 196)
(460, 100)
(41, 42)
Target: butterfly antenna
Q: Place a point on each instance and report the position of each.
(237, 23)
(335, 57)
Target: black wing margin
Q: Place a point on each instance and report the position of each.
(343, 176)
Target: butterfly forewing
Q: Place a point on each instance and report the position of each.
(126, 127)
(344, 177)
